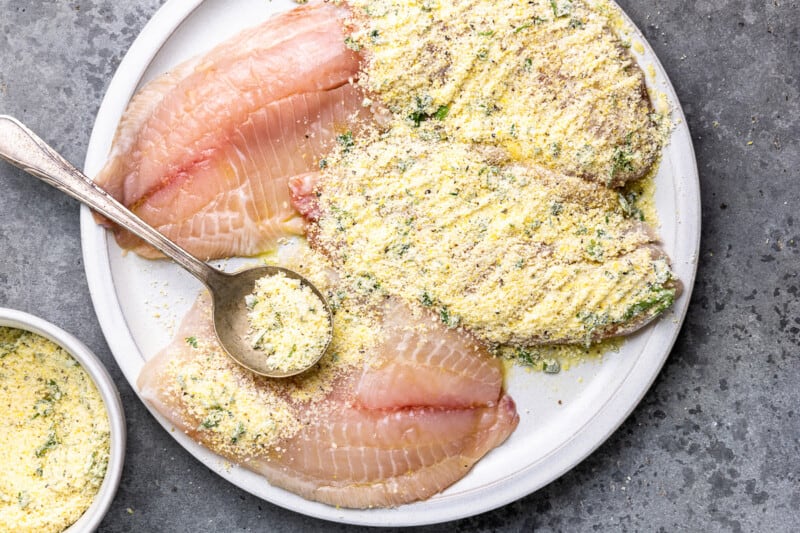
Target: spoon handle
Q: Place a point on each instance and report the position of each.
(24, 149)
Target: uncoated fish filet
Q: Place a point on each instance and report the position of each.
(442, 408)
(204, 152)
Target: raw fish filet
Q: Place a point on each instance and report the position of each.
(204, 152)
(407, 423)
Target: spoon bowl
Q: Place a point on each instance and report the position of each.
(231, 321)
(24, 149)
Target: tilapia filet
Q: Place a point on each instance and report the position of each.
(204, 152)
(384, 422)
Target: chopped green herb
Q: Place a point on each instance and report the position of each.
(556, 209)
(533, 226)
(237, 433)
(366, 282)
(212, 420)
(405, 164)
(335, 300)
(448, 319)
(23, 499)
(528, 64)
(425, 299)
(49, 444)
(277, 323)
(595, 250)
(585, 155)
(561, 9)
(257, 340)
(191, 341)
(658, 302)
(346, 141)
(576, 23)
(524, 356)
(351, 44)
(442, 112)
(8, 340)
(622, 161)
(627, 203)
(551, 366)
(422, 110)
(53, 391)
(419, 114)
(401, 249)
(488, 107)
(43, 407)
(592, 323)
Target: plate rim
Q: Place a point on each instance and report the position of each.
(94, 241)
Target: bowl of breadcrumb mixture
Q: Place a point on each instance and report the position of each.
(62, 430)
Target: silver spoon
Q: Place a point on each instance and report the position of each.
(24, 149)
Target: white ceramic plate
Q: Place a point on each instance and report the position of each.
(563, 417)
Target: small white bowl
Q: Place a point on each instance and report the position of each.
(92, 517)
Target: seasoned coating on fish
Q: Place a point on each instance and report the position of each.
(331, 435)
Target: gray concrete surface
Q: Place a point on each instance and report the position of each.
(714, 446)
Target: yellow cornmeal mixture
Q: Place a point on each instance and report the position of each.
(478, 201)
(237, 412)
(514, 253)
(548, 81)
(287, 321)
(54, 435)
(225, 405)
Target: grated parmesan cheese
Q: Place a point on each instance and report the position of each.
(288, 322)
(54, 433)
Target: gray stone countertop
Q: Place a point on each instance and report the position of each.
(714, 445)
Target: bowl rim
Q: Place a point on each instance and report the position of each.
(94, 514)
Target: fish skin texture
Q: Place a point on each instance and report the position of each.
(388, 457)
(204, 152)
(448, 378)
(356, 449)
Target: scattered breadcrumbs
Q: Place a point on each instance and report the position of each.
(54, 435)
(288, 322)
